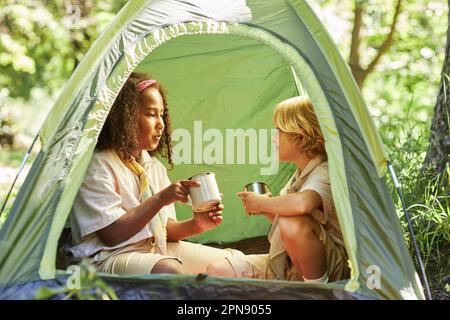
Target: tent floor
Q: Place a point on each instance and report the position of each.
(248, 246)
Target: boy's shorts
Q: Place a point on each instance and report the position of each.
(257, 265)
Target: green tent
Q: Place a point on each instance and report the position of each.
(225, 65)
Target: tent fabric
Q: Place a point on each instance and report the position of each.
(225, 64)
(172, 287)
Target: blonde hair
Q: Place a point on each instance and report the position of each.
(296, 116)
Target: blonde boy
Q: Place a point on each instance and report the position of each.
(306, 243)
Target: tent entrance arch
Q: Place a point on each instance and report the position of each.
(235, 79)
(239, 70)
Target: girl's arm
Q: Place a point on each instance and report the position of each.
(179, 230)
(131, 222)
(134, 220)
(201, 222)
(292, 204)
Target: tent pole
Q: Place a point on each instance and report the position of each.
(22, 165)
(411, 230)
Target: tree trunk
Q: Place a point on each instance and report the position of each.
(438, 154)
(353, 61)
(359, 72)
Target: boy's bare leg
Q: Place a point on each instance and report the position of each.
(300, 235)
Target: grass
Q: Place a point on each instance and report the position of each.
(11, 159)
(431, 222)
(427, 199)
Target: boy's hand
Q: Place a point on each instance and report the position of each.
(252, 201)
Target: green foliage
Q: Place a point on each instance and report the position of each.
(42, 41)
(7, 130)
(411, 69)
(412, 66)
(91, 287)
(13, 158)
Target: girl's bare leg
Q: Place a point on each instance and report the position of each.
(221, 268)
(169, 266)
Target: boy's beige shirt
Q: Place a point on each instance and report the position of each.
(109, 190)
(314, 177)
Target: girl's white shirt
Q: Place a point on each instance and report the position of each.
(108, 191)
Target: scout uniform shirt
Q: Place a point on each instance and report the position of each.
(313, 177)
(109, 190)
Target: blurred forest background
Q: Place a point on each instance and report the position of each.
(396, 50)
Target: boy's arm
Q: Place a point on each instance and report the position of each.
(269, 216)
(292, 204)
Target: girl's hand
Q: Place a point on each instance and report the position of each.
(206, 220)
(177, 191)
(252, 201)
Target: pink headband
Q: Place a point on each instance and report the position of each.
(145, 84)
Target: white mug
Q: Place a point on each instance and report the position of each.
(207, 195)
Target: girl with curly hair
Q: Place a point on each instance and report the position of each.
(306, 242)
(124, 216)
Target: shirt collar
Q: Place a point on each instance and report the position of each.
(300, 176)
(144, 158)
(312, 164)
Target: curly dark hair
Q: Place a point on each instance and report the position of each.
(121, 125)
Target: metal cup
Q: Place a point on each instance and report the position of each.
(258, 187)
(207, 195)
